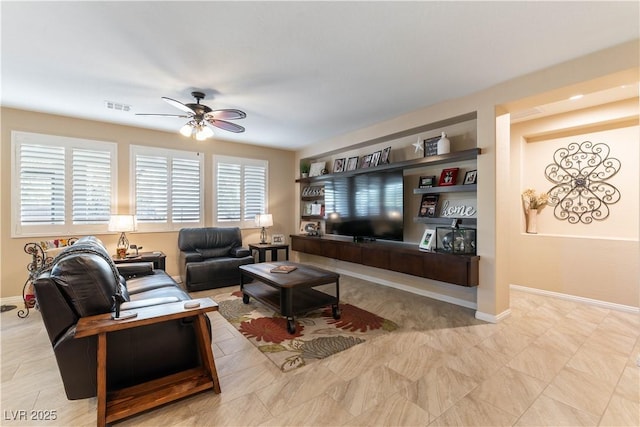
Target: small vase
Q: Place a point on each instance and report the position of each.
(532, 221)
(444, 146)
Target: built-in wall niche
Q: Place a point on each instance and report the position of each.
(622, 220)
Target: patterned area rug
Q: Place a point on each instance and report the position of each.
(318, 334)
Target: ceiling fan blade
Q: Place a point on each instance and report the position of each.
(179, 105)
(164, 115)
(231, 127)
(226, 114)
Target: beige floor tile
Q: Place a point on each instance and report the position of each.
(439, 389)
(451, 340)
(356, 360)
(629, 385)
(393, 411)
(565, 343)
(548, 412)
(621, 323)
(588, 313)
(580, 390)
(604, 365)
(477, 362)
(539, 362)
(296, 388)
(621, 412)
(252, 411)
(415, 363)
(510, 390)
(508, 341)
(320, 411)
(610, 342)
(367, 390)
(471, 411)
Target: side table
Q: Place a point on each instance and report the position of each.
(158, 259)
(115, 405)
(262, 248)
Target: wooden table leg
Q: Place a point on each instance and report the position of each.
(102, 379)
(206, 354)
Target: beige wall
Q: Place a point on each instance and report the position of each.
(601, 70)
(598, 260)
(14, 261)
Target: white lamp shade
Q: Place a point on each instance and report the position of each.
(186, 130)
(122, 223)
(264, 220)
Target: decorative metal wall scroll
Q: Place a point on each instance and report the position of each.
(579, 172)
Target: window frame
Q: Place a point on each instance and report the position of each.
(170, 154)
(19, 138)
(243, 162)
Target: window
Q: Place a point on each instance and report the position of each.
(61, 186)
(240, 190)
(167, 188)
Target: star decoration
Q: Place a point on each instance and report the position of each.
(418, 145)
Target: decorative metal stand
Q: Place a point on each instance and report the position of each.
(579, 173)
(39, 262)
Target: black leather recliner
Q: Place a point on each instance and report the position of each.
(210, 257)
(82, 282)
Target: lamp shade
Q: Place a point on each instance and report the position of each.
(122, 223)
(264, 220)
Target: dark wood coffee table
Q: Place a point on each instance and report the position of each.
(290, 293)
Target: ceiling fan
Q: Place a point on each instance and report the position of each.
(201, 115)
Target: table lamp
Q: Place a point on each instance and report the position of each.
(264, 220)
(122, 223)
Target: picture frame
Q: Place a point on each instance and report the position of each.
(317, 168)
(375, 158)
(471, 177)
(428, 239)
(278, 239)
(352, 163)
(338, 165)
(449, 176)
(431, 146)
(428, 205)
(385, 158)
(365, 162)
(427, 181)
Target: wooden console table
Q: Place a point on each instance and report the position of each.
(118, 404)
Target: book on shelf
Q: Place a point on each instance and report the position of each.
(283, 269)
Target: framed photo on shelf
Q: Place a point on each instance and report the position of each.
(317, 168)
(428, 239)
(375, 158)
(365, 162)
(428, 205)
(431, 146)
(352, 163)
(338, 165)
(427, 181)
(277, 239)
(448, 176)
(471, 177)
(386, 156)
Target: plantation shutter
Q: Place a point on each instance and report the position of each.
(185, 190)
(229, 192)
(42, 184)
(255, 187)
(152, 194)
(91, 186)
(241, 190)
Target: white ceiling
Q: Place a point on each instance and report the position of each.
(302, 71)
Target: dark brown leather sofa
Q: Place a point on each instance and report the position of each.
(82, 282)
(210, 257)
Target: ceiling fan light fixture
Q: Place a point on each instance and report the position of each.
(186, 130)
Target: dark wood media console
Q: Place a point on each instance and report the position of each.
(457, 269)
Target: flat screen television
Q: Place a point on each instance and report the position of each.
(368, 205)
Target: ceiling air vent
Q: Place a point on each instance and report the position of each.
(117, 106)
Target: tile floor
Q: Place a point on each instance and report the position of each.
(552, 363)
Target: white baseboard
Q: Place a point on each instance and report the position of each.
(492, 318)
(582, 300)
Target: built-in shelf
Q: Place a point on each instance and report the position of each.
(456, 156)
(444, 220)
(446, 189)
